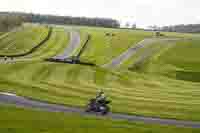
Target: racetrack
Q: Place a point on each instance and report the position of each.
(8, 98)
(116, 62)
(73, 45)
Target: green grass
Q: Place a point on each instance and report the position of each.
(151, 93)
(18, 120)
(158, 47)
(136, 57)
(130, 92)
(102, 49)
(1, 33)
(181, 35)
(174, 59)
(146, 53)
(177, 55)
(22, 40)
(55, 45)
(180, 62)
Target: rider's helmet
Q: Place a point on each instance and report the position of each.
(100, 92)
(101, 95)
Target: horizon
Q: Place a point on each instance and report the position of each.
(142, 13)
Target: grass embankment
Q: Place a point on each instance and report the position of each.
(17, 120)
(102, 48)
(141, 94)
(183, 62)
(131, 93)
(22, 40)
(156, 48)
(146, 53)
(181, 35)
(56, 44)
(1, 33)
(180, 61)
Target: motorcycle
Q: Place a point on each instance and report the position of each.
(98, 106)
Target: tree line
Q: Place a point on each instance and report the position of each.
(8, 19)
(189, 28)
(8, 22)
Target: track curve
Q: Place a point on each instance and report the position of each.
(8, 98)
(73, 45)
(117, 61)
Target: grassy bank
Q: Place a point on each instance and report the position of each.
(150, 92)
(74, 85)
(22, 39)
(106, 44)
(17, 120)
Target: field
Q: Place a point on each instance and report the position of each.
(183, 62)
(180, 60)
(22, 39)
(22, 121)
(55, 45)
(164, 84)
(106, 44)
(74, 85)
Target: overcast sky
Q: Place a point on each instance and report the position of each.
(142, 12)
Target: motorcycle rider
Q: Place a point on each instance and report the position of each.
(99, 103)
(101, 97)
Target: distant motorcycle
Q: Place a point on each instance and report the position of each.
(98, 106)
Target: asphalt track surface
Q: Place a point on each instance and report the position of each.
(73, 45)
(149, 53)
(8, 98)
(116, 62)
